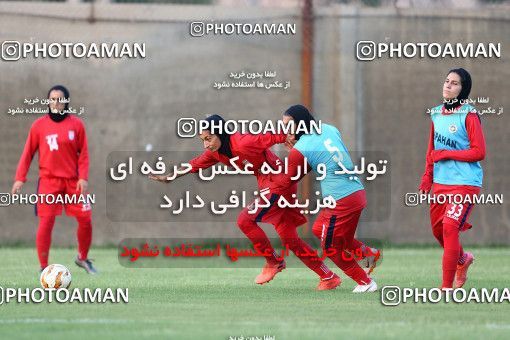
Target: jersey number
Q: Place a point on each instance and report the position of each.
(453, 213)
(337, 157)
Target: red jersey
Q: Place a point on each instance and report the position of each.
(250, 148)
(62, 149)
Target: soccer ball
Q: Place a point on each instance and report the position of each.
(55, 276)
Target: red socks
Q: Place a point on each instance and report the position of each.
(43, 237)
(289, 238)
(451, 254)
(356, 244)
(350, 267)
(84, 236)
(259, 239)
(302, 250)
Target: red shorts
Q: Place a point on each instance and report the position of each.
(336, 227)
(60, 186)
(278, 217)
(453, 212)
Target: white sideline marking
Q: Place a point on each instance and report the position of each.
(69, 321)
(498, 326)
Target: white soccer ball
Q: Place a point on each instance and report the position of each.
(55, 276)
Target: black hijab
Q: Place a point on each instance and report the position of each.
(465, 81)
(59, 116)
(300, 113)
(224, 137)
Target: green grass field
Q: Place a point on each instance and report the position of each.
(219, 303)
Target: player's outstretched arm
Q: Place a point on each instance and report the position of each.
(166, 178)
(203, 161)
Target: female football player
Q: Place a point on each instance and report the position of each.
(456, 147)
(61, 142)
(222, 147)
(335, 227)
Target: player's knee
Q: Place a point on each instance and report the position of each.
(84, 221)
(317, 231)
(437, 231)
(47, 218)
(46, 221)
(450, 230)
